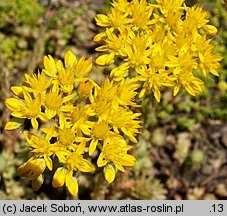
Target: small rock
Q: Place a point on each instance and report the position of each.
(158, 137)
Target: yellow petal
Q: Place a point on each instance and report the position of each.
(60, 68)
(214, 72)
(68, 98)
(129, 134)
(17, 90)
(37, 183)
(70, 59)
(62, 120)
(18, 114)
(48, 162)
(128, 160)
(50, 113)
(49, 74)
(142, 93)
(201, 57)
(92, 146)
(119, 166)
(14, 104)
(86, 166)
(43, 117)
(176, 90)
(211, 30)
(99, 37)
(157, 94)
(190, 90)
(80, 148)
(50, 132)
(85, 129)
(59, 177)
(83, 67)
(22, 169)
(27, 96)
(13, 124)
(49, 65)
(71, 184)
(35, 123)
(102, 20)
(101, 160)
(105, 59)
(109, 173)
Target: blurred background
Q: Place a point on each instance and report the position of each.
(182, 149)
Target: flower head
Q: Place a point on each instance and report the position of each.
(77, 117)
(156, 43)
(29, 108)
(73, 161)
(114, 156)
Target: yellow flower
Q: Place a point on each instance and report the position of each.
(79, 120)
(138, 52)
(73, 161)
(99, 132)
(126, 121)
(32, 168)
(30, 108)
(187, 80)
(81, 68)
(209, 62)
(121, 5)
(66, 138)
(86, 88)
(116, 18)
(183, 60)
(54, 102)
(66, 77)
(106, 98)
(154, 80)
(169, 5)
(68, 73)
(93, 117)
(127, 93)
(38, 83)
(195, 19)
(114, 153)
(119, 73)
(141, 13)
(41, 147)
(114, 43)
(157, 43)
(113, 94)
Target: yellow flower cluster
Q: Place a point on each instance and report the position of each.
(153, 45)
(72, 117)
(159, 44)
